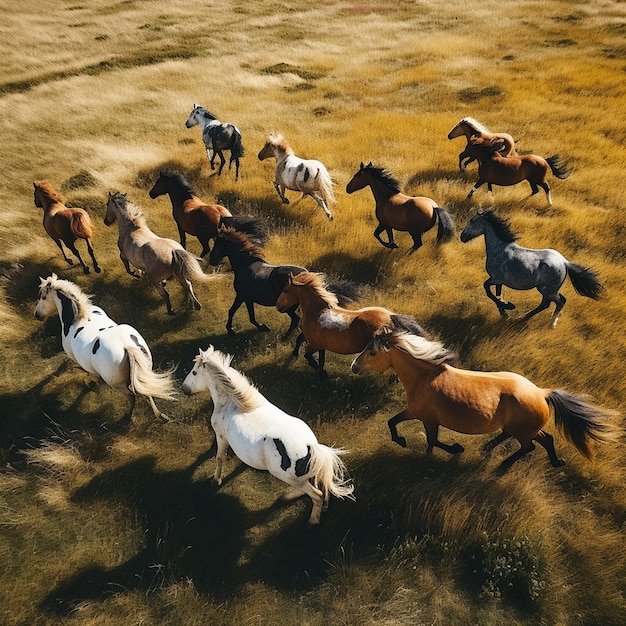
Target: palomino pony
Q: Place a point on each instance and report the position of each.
(195, 217)
(494, 169)
(265, 437)
(327, 326)
(524, 268)
(217, 136)
(305, 175)
(157, 257)
(116, 352)
(473, 403)
(502, 143)
(396, 210)
(65, 224)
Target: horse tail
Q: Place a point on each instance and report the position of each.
(254, 227)
(408, 324)
(144, 381)
(581, 422)
(346, 290)
(237, 150)
(445, 230)
(81, 225)
(326, 186)
(187, 267)
(585, 281)
(328, 471)
(558, 169)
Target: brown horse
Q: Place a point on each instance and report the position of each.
(471, 129)
(395, 210)
(327, 326)
(65, 224)
(190, 213)
(472, 402)
(494, 169)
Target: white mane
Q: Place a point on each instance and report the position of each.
(81, 300)
(128, 210)
(420, 348)
(475, 125)
(235, 384)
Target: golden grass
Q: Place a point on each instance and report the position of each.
(124, 527)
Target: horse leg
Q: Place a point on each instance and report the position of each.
(318, 502)
(92, 254)
(156, 411)
(67, 259)
(403, 416)
(160, 287)
(300, 339)
(222, 162)
(222, 448)
(130, 271)
(417, 242)
(477, 184)
(546, 188)
(559, 302)
(433, 441)
(280, 190)
(292, 494)
(74, 250)
(321, 202)
(250, 307)
(390, 243)
(547, 441)
(492, 443)
(183, 237)
(186, 284)
(497, 298)
(129, 413)
(238, 301)
(544, 304)
(525, 448)
(295, 320)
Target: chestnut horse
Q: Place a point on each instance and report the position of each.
(416, 215)
(327, 326)
(470, 128)
(473, 403)
(494, 169)
(65, 224)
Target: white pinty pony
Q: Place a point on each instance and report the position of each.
(265, 437)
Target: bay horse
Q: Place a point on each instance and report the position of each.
(217, 136)
(503, 143)
(195, 217)
(327, 326)
(65, 224)
(157, 257)
(473, 403)
(524, 268)
(115, 352)
(395, 210)
(308, 176)
(494, 169)
(265, 437)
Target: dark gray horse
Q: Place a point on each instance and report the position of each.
(524, 268)
(217, 136)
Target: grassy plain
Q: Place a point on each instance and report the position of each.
(105, 528)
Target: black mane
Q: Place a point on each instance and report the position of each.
(384, 177)
(180, 181)
(501, 227)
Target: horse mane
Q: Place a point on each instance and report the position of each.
(130, 210)
(501, 226)
(180, 180)
(237, 386)
(384, 176)
(316, 282)
(278, 141)
(242, 241)
(417, 347)
(475, 125)
(205, 112)
(70, 290)
(50, 191)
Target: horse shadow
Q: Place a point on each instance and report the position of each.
(370, 270)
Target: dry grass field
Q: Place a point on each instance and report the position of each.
(122, 525)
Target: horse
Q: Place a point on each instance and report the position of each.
(195, 217)
(265, 437)
(396, 210)
(65, 224)
(116, 352)
(524, 268)
(305, 175)
(470, 128)
(494, 169)
(217, 136)
(472, 402)
(327, 326)
(157, 257)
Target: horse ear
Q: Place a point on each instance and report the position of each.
(362, 166)
(369, 164)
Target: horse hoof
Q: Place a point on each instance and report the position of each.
(509, 306)
(286, 201)
(264, 327)
(231, 332)
(86, 270)
(98, 270)
(393, 245)
(197, 306)
(558, 463)
(456, 448)
(401, 441)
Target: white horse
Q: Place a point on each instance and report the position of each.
(116, 352)
(308, 176)
(217, 136)
(265, 437)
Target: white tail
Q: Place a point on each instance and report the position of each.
(146, 382)
(329, 472)
(187, 267)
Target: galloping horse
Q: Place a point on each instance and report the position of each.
(327, 326)
(396, 210)
(502, 143)
(524, 268)
(116, 352)
(480, 402)
(217, 136)
(305, 175)
(65, 224)
(157, 257)
(265, 437)
(494, 169)
(195, 217)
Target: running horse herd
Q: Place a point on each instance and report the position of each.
(261, 434)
